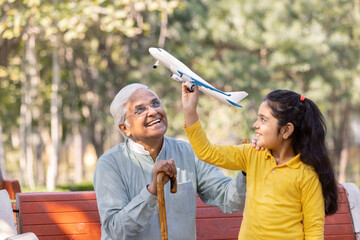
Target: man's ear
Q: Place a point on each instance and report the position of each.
(124, 129)
(287, 130)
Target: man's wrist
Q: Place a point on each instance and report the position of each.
(151, 189)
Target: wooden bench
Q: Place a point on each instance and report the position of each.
(74, 215)
(11, 186)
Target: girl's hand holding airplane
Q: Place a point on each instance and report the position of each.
(189, 103)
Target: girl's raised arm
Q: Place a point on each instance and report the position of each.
(189, 103)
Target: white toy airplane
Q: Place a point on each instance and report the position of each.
(180, 72)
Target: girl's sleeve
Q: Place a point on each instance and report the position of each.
(313, 206)
(225, 156)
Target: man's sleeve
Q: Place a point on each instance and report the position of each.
(121, 217)
(216, 189)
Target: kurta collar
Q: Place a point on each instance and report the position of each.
(138, 148)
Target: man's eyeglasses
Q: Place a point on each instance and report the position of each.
(141, 110)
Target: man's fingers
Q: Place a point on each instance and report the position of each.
(168, 167)
(254, 144)
(173, 167)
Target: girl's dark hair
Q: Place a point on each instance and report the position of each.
(308, 138)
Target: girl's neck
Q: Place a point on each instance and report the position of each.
(284, 154)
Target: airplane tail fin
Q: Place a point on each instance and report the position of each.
(236, 97)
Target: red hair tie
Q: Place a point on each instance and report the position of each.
(302, 98)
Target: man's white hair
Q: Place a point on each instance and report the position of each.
(118, 107)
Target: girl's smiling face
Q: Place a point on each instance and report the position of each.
(267, 129)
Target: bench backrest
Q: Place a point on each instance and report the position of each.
(212, 223)
(340, 225)
(74, 215)
(64, 215)
(11, 186)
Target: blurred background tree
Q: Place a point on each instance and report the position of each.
(62, 62)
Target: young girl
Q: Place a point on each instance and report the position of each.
(290, 185)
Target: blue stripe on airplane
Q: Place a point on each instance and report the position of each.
(234, 104)
(197, 82)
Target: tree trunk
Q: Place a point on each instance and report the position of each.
(98, 137)
(75, 118)
(345, 149)
(22, 128)
(6, 46)
(163, 28)
(344, 159)
(77, 143)
(40, 170)
(2, 155)
(49, 148)
(55, 140)
(78, 157)
(33, 80)
(97, 128)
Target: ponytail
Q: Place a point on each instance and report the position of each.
(308, 138)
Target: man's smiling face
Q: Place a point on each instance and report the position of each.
(146, 117)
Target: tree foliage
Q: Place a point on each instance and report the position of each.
(256, 46)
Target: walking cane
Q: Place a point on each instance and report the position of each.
(161, 202)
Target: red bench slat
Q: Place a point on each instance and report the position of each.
(64, 229)
(73, 217)
(59, 206)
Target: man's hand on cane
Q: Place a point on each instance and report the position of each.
(166, 166)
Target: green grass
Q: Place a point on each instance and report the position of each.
(69, 187)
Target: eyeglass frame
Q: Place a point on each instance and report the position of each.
(146, 110)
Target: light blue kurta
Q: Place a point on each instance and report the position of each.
(128, 211)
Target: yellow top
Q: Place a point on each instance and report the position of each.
(282, 201)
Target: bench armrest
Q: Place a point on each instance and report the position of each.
(12, 187)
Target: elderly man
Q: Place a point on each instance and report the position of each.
(125, 176)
